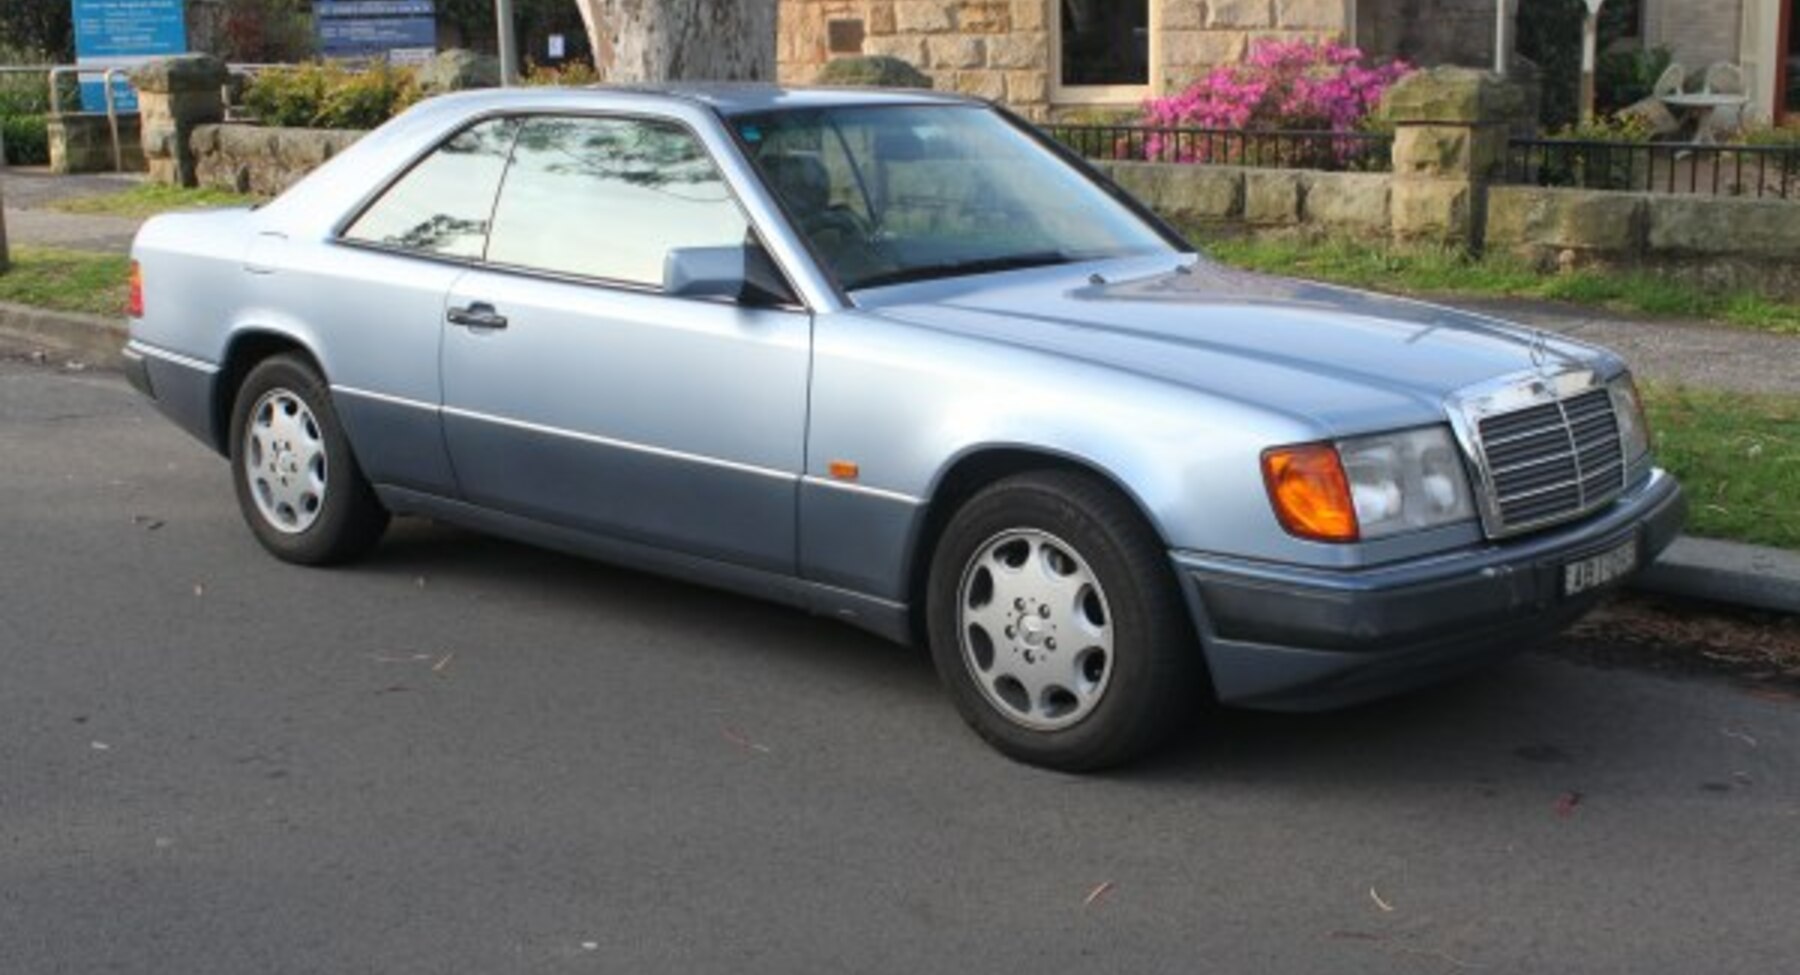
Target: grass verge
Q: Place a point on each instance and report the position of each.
(1424, 270)
(66, 280)
(149, 199)
(1737, 455)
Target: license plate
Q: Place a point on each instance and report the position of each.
(1598, 570)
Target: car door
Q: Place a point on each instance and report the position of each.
(576, 392)
(376, 301)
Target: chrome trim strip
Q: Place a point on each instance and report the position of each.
(873, 492)
(144, 348)
(385, 398)
(620, 444)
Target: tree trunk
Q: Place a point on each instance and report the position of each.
(681, 40)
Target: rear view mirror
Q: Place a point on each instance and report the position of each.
(743, 273)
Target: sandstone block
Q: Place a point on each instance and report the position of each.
(1019, 51)
(902, 46)
(1449, 94)
(1028, 15)
(182, 72)
(881, 18)
(955, 51)
(1314, 14)
(1183, 14)
(1680, 225)
(1184, 192)
(983, 16)
(982, 84)
(1027, 87)
(1350, 201)
(1203, 48)
(1584, 220)
(1432, 209)
(922, 16)
(1239, 13)
(1272, 196)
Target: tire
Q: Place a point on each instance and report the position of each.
(1056, 625)
(298, 485)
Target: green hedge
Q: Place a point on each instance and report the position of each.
(326, 96)
(27, 140)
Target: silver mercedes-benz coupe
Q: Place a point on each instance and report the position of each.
(897, 359)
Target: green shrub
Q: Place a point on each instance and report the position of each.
(568, 74)
(27, 140)
(872, 71)
(327, 96)
(367, 98)
(1623, 78)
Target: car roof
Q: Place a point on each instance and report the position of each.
(726, 98)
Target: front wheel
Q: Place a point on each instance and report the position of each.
(1056, 625)
(298, 486)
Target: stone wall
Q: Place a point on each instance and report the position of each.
(1725, 241)
(1003, 49)
(1245, 198)
(259, 159)
(82, 143)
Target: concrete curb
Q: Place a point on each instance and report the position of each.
(1751, 576)
(1732, 573)
(89, 338)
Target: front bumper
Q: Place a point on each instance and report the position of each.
(1296, 638)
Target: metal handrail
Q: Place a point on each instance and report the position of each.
(18, 69)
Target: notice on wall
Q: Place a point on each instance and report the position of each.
(122, 34)
(402, 31)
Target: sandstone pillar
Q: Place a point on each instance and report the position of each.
(1451, 127)
(175, 95)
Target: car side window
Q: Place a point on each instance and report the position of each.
(609, 198)
(441, 205)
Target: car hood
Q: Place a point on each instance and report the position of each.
(1350, 360)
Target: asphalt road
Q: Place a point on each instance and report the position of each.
(468, 756)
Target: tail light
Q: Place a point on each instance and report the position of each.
(134, 295)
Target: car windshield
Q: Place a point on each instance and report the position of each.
(896, 193)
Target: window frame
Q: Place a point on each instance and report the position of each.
(340, 229)
(1061, 94)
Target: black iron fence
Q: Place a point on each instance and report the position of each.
(1763, 172)
(1365, 151)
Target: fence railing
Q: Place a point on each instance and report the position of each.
(1275, 149)
(1706, 169)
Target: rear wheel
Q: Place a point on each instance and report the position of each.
(298, 486)
(1056, 625)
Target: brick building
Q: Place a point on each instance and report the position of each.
(1049, 57)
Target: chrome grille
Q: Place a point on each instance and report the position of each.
(1552, 461)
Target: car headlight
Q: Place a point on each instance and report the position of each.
(1634, 428)
(1369, 487)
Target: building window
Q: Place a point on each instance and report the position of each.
(1103, 50)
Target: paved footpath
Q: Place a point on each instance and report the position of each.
(28, 193)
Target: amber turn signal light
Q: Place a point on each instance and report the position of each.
(1310, 493)
(134, 296)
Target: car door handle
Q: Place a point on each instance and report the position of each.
(478, 315)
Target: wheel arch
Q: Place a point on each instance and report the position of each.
(247, 347)
(966, 475)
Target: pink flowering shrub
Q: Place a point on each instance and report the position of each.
(1291, 85)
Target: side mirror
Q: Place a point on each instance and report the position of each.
(743, 273)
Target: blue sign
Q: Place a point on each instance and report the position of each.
(122, 34)
(398, 30)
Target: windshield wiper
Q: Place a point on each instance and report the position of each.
(952, 269)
